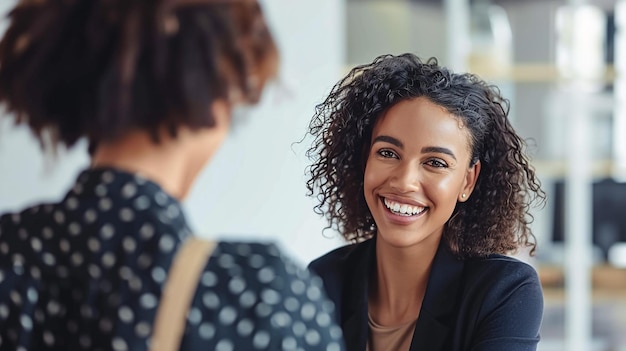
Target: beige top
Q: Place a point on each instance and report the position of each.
(395, 338)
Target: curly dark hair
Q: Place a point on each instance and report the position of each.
(496, 217)
(100, 68)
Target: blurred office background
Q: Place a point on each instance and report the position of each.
(562, 64)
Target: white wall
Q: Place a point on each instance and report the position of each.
(255, 186)
(395, 27)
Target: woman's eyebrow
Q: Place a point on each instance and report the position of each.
(388, 139)
(438, 149)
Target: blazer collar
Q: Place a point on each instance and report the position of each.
(437, 315)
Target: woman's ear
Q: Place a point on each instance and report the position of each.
(469, 183)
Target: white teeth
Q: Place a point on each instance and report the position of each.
(403, 209)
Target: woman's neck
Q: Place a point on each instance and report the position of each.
(400, 282)
(173, 163)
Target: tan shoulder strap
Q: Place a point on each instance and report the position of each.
(180, 286)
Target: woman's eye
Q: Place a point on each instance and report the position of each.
(387, 153)
(437, 163)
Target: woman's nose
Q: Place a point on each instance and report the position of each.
(405, 177)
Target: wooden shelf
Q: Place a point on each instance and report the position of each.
(558, 168)
(604, 278)
(530, 73)
(520, 73)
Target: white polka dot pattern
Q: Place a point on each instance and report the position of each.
(87, 274)
(269, 303)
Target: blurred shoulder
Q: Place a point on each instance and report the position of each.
(262, 265)
(254, 255)
(255, 286)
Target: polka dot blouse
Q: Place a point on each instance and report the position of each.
(87, 274)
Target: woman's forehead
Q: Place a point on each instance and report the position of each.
(421, 121)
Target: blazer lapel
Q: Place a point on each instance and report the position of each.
(354, 310)
(429, 333)
(438, 312)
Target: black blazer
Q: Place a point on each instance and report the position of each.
(495, 303)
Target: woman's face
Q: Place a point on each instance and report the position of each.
(417, 170)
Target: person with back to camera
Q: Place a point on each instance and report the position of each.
(421, 170)
(151, 85)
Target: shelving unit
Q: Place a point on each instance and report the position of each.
(530, 73)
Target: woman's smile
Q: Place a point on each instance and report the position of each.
(402, 209)
(402, 213)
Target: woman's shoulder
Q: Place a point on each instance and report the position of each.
(248, 249)
(255, 294)
(500, 265)
(257, 261)
(501, 275)
(501, 302)
(259, 266)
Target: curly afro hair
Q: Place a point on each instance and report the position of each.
(101, 68)
(496, 217)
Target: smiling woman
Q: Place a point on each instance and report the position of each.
(419, 168)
